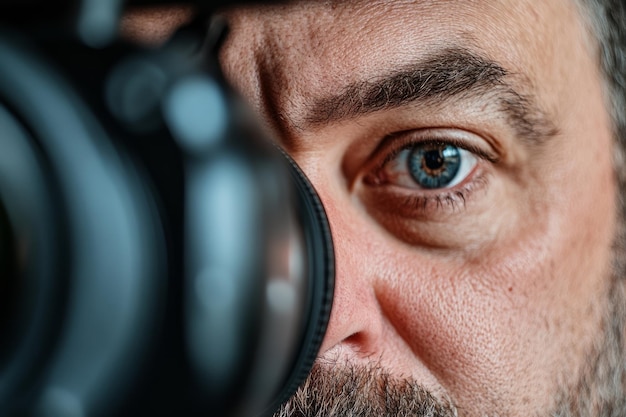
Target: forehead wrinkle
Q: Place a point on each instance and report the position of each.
(272, 85)
(269, 70)
(286, 35)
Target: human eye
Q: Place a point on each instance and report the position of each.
(430, 165)
(431, 170)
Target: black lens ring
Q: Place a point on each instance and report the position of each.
(7, 258)
(38, 304)
(321, 281)
(7, 270)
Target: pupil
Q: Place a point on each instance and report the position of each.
(433, 159)
(434, 166)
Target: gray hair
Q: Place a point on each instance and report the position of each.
(602, 391)
(607, 20)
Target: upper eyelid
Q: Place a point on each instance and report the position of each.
(408, 140)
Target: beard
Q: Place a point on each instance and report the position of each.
(343, 391)
(601, 391)
(351, 390)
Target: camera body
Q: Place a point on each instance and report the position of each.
(159, 253)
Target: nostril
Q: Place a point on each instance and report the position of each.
(361, 345)
(356, 324)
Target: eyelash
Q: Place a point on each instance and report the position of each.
(451, 198)
(408, 143)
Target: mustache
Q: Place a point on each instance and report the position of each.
(355, 390)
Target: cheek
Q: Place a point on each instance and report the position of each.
(516, 319)
(474, 325)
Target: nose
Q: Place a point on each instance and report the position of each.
(356, 325)
(376, 321)
(378, 317)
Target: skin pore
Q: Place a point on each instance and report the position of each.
(493, 296)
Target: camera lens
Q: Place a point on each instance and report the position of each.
(140, 272)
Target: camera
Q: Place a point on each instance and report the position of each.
(159, 253)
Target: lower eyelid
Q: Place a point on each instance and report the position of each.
(425, 205)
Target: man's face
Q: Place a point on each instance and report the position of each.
(463, 153)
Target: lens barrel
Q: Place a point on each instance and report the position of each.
(155, 258)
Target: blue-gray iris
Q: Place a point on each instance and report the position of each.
(434, 165)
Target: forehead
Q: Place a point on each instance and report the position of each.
(303, 50)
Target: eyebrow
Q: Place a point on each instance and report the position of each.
(453, 73)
